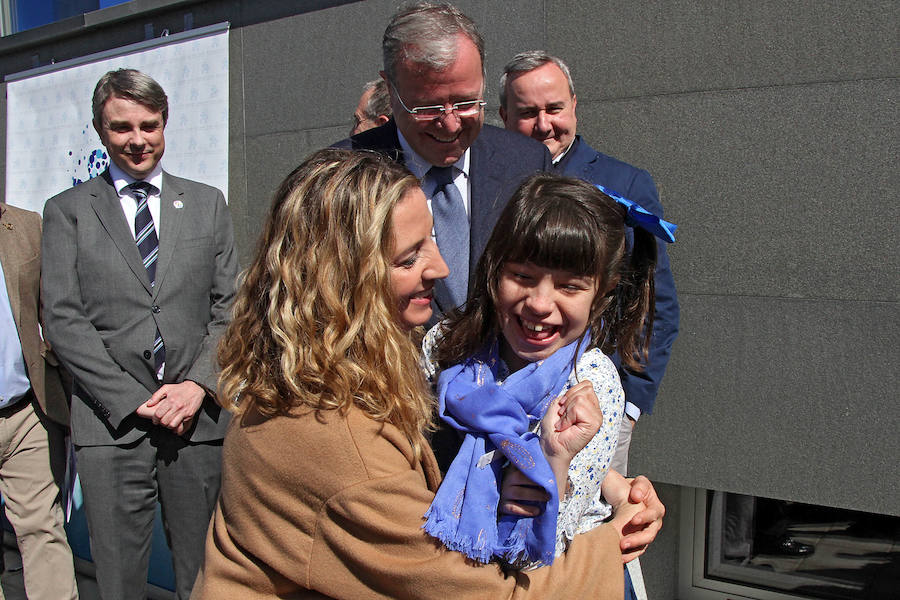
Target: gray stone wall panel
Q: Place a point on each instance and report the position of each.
(786, 192)
(784, 398)
(628, 49)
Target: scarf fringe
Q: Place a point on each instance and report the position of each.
(446, 530)
(513, 550)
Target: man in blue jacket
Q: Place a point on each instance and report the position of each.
(537, 98)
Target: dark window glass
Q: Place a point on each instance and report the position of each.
(27, 14)
(802, 549)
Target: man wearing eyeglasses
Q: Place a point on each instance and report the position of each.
(433, 64)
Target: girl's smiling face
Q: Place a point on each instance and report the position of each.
(540, 310)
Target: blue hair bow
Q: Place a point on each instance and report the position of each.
(638, 216)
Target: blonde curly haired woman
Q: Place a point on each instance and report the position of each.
(326, 472)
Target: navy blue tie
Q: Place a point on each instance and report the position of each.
(451, 230)
(148, 245)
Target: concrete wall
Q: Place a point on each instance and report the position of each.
(771, 130)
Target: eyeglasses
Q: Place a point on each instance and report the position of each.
(468, 108)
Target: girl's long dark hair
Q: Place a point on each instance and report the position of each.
(567, 224)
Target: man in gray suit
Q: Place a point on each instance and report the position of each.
(139, 271)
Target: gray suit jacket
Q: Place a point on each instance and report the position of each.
(20, 253)
(101, 313)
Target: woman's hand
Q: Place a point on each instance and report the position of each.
(569, 424)
(637, 512)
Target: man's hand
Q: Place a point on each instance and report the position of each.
(174, 405)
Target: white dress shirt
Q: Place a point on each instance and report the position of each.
(121, 181)
(419, 167)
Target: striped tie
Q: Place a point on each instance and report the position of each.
(148, 245)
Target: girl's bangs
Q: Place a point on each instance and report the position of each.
(555, 239)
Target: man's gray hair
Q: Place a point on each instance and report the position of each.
(132, 85)
(379, 102)
(524, 62)
(425, 34)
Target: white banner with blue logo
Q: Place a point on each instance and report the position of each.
(51, 144)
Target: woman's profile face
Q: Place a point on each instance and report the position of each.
(416, 262)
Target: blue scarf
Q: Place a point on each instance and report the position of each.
(497, 418)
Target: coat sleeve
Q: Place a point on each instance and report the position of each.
(370, 544)
(204, 370)
(73, 337)
(57, 384)
(641, 387)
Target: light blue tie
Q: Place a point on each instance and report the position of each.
(451, 228)
(148, 244)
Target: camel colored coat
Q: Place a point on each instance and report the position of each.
(330, 506)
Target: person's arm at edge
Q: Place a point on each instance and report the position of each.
(205, 370)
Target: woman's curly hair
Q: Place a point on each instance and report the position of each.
(315, 322)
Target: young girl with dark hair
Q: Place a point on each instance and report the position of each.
(555, 293)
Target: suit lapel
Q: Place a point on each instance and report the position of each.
(442, 297)
(171, 215)
(486, 184)
(588, 166)
(106, 204)
(580, 163)
(390, 142)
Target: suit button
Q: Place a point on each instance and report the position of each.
(148, 355)
(155, 309)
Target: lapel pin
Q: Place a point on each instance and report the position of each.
(178, 204)
(8, 226)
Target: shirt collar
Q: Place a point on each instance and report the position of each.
(559, 158)
(121, 179)
(419, 166)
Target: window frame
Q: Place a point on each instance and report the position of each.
(692, 579)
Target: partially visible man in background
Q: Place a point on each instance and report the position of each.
(374, 107)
